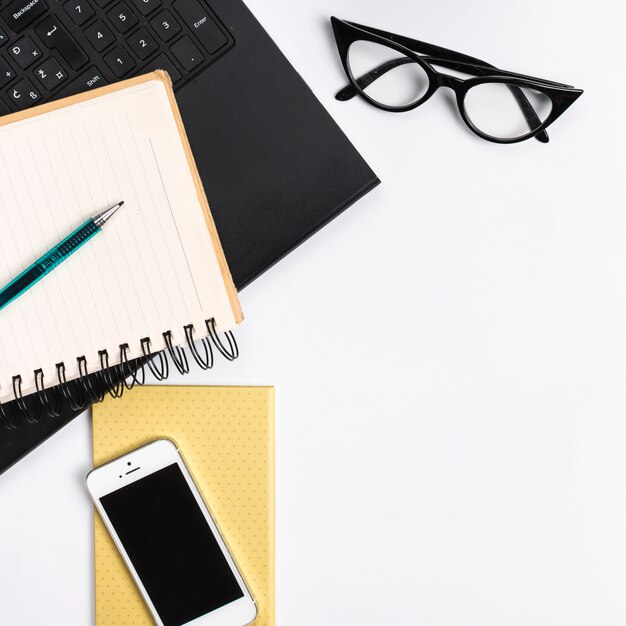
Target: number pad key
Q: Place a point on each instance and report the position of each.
(50, 74)
(165, 25)
(122, 18)
(142, 44)
(187, 54)
(145, 7)
(163, 63)
(24, 94)
(6, 73)
(99, 36)
(25, 52)
(79, 10)
(119, 61)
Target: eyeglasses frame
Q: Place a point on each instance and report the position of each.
(426, 55)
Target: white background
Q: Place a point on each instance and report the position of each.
(449, 357)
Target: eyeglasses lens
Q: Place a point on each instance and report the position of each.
(385, 75)
(506, 111)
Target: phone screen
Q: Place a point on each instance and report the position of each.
(171, 546)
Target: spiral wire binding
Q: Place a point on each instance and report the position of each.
(30, 414)
(177, 354)
(163, 370)
(233, 349)
(206, 361)
(116, 389)
(66, 386)
(128, 371)
(91, 388)
(52, 409)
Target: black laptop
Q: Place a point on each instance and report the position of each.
(275, 166)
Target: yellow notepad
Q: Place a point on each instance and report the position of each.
(226, 435)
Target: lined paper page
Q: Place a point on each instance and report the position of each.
(152, 269)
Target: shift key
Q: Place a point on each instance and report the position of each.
(91, 78)
(201, 24)
(55, 37)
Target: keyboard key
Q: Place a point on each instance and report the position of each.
(6, 73)
(3, 37)
(165, 25)
(119, 61)
(25, 52)
(24, 94)
(145, 7)
(55, 37)
(142, 44)
(163, 63)
(201, 24)
(122, 18)
(91, 78)
(50, 74)
(79, 10)
(187, 54)
(21, 13)
(99, 36)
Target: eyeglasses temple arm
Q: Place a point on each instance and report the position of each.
(349, 91)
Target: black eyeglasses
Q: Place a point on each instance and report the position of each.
(395, 73)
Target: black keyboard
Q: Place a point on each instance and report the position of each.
(50, 49)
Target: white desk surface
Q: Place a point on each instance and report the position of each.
(449, 357)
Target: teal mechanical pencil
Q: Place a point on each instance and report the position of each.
(56, 256)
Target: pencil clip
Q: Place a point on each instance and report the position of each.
(230, 353)
(206, 361)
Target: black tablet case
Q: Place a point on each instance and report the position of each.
(275, 167)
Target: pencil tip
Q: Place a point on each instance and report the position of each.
(102, 218)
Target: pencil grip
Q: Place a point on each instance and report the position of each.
(69, 245)
(33, 274)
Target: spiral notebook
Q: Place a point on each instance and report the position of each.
(154, 279)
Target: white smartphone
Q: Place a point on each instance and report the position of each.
(169, 540)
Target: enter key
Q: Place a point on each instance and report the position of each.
(201, 24)
(55, 37)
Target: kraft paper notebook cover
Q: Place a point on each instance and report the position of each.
(226, 435)
(154, 279)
